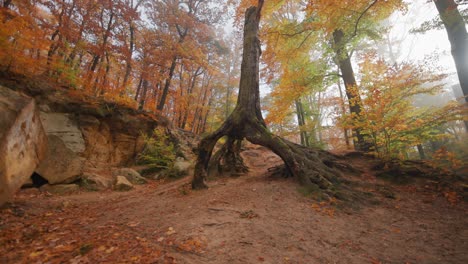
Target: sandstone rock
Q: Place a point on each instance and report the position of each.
(23, 142)
(122, 184)
(95, 182)
(64, 127)
(28, 184)
(182, 165)
(130, 174)
(106, 143)
(61, 164)
(60, 189)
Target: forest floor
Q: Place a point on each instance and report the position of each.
(253, 218)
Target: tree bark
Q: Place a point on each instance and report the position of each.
(167, 84)
(128, 67)
(310, 166)
(143, 95)
(343, 112)
(458, 37)
(301, 122)
(352, 92)
(7, 3)
(422, 155)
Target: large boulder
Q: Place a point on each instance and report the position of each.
(122, 184)
(63, 162)
(95, 182)
(23, 142)
(66, 128)
(130, 174)
(182, 165)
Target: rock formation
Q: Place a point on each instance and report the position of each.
(23, 142)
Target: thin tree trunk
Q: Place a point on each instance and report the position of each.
(347, 73)
(162, 102)
(139, 87)
(301, 122)
(343, 112)
(143, 95)
(7, 3)
(128, 68)
(422, 155)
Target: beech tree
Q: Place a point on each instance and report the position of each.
(391, 119)
(312, 167)
(458, 37)
(345, 22)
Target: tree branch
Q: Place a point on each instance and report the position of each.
(360, 17)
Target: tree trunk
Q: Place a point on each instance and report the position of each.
(143, 95)
(301, 122)
(343, 112)
(165, 91)
(7, 3)
(347, 74)
(310, 166)
(128, 68)
(422, 155)
(458, 37)
(228, 160)
(137, 93)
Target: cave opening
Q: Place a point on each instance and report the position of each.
(37, 180)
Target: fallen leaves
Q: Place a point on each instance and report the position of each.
(452, 197)
(170, 231)
(249, 214)
(325, 207)
(193, 245)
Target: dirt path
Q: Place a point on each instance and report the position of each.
(250, 219)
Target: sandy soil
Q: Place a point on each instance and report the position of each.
(250, 219)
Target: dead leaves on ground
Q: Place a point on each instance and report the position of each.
(249, 214)
(325, 207)
(75, 235)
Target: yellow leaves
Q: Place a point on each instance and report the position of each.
(106, 250)
(389, 117)
(35, 254)
(445, 159)
(452, 197)
(325, 207)
(196, 245)
(170, 231)
(335, 14)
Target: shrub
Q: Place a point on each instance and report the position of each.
(159, 153)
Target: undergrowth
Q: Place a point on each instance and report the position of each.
(159, 151)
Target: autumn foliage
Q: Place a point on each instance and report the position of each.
(173, 58)
(159, 56)
(391, 120)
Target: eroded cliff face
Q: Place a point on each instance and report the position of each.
(82, 142)
(84, 133)
(23, 142)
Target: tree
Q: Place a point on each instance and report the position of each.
(312, 167)
(187, 22)
(458, 37)
(390, 117)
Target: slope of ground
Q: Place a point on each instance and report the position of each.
(250, 219)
